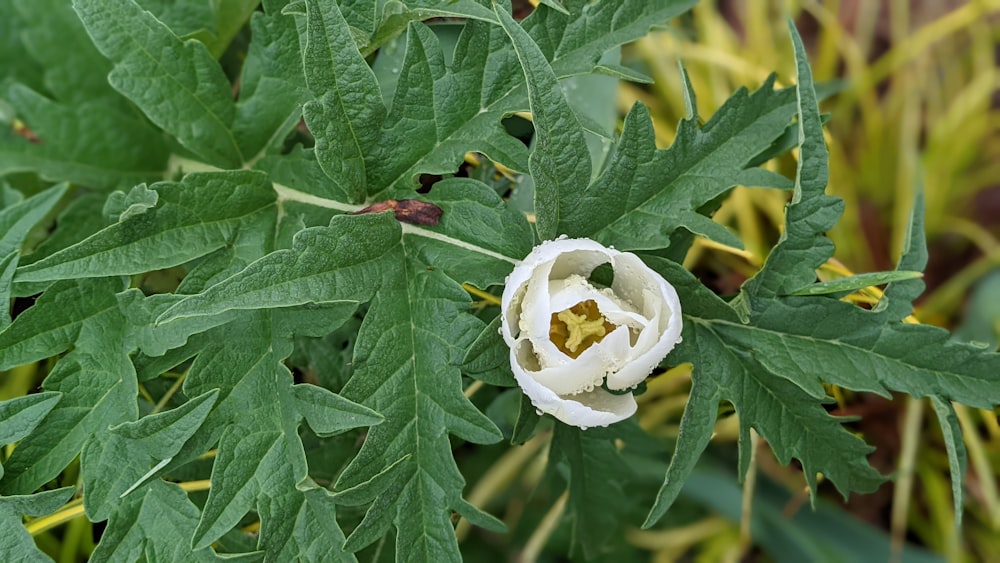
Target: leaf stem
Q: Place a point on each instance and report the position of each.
(473, 388)
(289, 194)
(677, 540)
(421, 232)
(485, 296)
(72, 510)
(912, 422)
(169, 394)
(499, 476)
(75, 509)
(746, 506)
(177, 163)
(545, 528)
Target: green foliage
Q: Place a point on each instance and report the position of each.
(284, 314)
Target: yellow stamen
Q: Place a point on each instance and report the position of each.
(577, 328)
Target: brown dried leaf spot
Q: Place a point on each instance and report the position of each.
(412, 211)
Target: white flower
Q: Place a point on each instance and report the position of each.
(568, 336)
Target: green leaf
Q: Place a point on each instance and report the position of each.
(75, 72)
(272, 84)
(8, 264)
(154, 340)
(15, 222)
(82, 217)
(397, 15)
(788, 416)
(124, 461)
(803, 246)
(177, 84)
(21, 415)
(773, 368)
(792, 421)
(809, 341)
(315, 533)
(229, 19)
(488, 358)
(16, 543)
(644, 194)
(954, 444)
(260, 456)
(96, 379)
(202, 213)
(89, 143)
(348, 112)
(440, 113)
(342, 262)
(597, 475)
(120, 206)
(155, 525)
(555, 5)
(853, 283)
(56, 320)
(560, 162)
(478, 238)
(575, 43)
(15, 59)
(361, 14)
(406, 362)
(404, 366)
(184, 18)
(329, 414)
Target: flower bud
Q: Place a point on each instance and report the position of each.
(570, 338)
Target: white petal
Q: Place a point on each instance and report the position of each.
(567, 377)
(642, 363)
(552, 278)
(586, 410)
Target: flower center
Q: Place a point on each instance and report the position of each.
(578, 328)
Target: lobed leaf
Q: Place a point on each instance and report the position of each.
(596, 479)
(89, 143)
(203, 212)
(157, 525)
(124, 460)
(803, 246)
(56, 320)
(348, 111)
(792, 421)
(74, 70)
(644, 194)
(16, 543)
(575, 42)
(96, 379)
(177, 84)
(773, 367)
(439, 113)
(21, 415)
(260, 457)
(15, 222)
(272, 83)
(560, 162)
(342, 262)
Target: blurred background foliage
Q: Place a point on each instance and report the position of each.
(918, 107)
